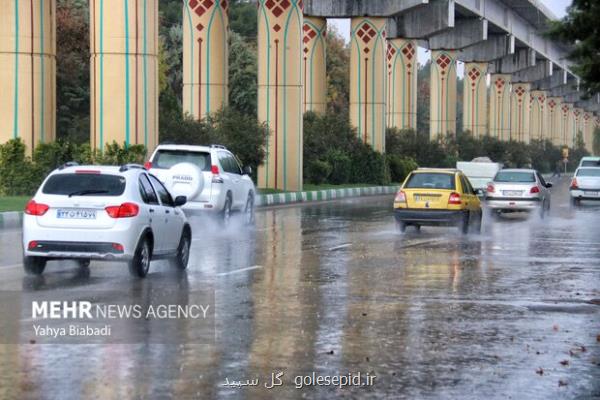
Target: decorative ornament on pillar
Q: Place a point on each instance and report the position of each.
(566, 129)
(205, 56)
(499, 120)
(577, 126)
(280, 90)
(313, 64)
(519, 121)
(443, 94)
(402, 83)
(538, 120)
(27, 71)
(124, 73)
(555, 120)
(588, 130)
(475, 99)
(368, 80)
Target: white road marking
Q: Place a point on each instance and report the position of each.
(12, 266)
(342, 246)
(239, 270)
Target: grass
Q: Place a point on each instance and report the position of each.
(13, 203)
(310, 187)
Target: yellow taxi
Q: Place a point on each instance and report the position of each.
(431, 196)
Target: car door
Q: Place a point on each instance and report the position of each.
(240, 184)
(233, 174)
(543, 188)
(173, 224)
(471, 199)
(150, 198)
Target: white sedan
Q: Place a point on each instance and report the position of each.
(585, 185)
(104, 213)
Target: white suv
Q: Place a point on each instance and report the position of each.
(104, 213)
(209, 176)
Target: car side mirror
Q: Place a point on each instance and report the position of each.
(180, 200)
(549, 185)
(247, 170)
(480, 192)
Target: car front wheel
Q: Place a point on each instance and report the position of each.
(34, 265)
(140, 264)
(226, 213)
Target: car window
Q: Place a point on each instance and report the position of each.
(146, 190)
(431, 180)
(163, 193)
(590, 163)
(592, 172)
(466, 185)
(515, 177)
(85, 184)
(541, 179)
(235, 167)
(165, 159)
(228, 163)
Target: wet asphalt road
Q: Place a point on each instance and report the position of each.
(333, 289)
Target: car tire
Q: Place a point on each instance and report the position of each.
(226, 212)
(84, 262)
(479, 223)
(417, 228)
(401, 226)
(464, 224)
(575, 202)
(34, 265)
(183, 250)
(543, 210)
(249, 211)
(140, 264)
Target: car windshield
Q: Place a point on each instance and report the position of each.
(593, 172)
(85, 185)
(431, 180)
(515, 176)
(590, 163)
(165, 159)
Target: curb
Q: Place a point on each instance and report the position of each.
(13, 219)
(10, 219)
(264, 200)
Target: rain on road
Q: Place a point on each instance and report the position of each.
(332, 288)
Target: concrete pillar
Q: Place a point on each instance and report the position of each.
(280, 89)
(566, 124)
(27, 71)
(368, 80)
(538, 120)
(475, 100)
(499, 120)
(205, 56)
(519, 119)
(588, 130)
(443, 94)
(402, 83)
(554, 120)
(577, 125)
(313, 64)
(124, 73)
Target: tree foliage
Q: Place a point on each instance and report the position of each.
(580, 29)
(338, 72)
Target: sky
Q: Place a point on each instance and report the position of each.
(558, 7)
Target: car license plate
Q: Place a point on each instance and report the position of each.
(75, 214)
(513, 193)
(589, 193)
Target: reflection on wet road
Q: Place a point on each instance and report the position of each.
(333, 289)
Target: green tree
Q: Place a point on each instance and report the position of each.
(243, 71)
(338, 72)
(243, 19)
(596, 141)
(580, 29)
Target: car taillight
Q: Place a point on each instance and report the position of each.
(574, 184)
(147, 165)
(32, 245)
(534, 190)
(454, 199)
(400, 197)
(118, 246)
(33, 208)
(490, 188)
(214, 169)
(125, 210)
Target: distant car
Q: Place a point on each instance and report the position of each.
(437, 197)
(585, 185)
(518, 190)
(104, 213)
(211, 178)
(589, 162)
(480, 171)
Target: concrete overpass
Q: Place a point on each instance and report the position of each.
(531, 92)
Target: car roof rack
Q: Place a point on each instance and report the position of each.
(130, 166)
(68, 164)
(218, 146)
